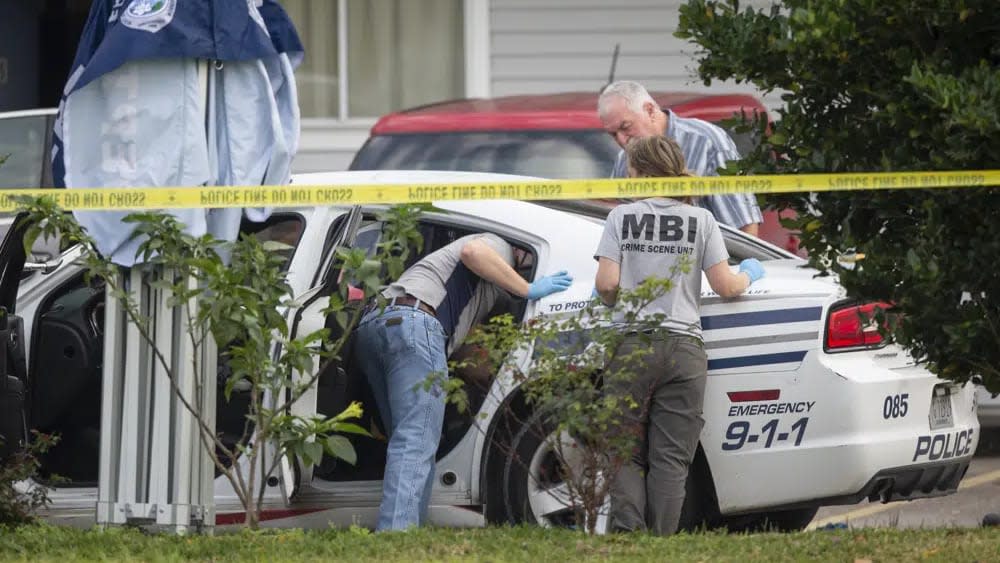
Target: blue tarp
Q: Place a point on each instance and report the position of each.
(142, 107)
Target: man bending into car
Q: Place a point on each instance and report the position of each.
(429, 312)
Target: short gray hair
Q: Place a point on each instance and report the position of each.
(634, 94)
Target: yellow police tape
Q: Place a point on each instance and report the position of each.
(296, 195)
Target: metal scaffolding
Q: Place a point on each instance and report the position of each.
(154, 467)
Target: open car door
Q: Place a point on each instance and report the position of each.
(14, 376)
(25, 141)
(295, 472)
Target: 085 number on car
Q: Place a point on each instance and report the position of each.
(740, 434)
(895, 406)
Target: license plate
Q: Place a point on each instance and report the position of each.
(941, 411)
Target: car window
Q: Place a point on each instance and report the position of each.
(438, 234)
(23, 142)
(368, 237)
(547, 154)
(741, 246)
(24, 164)
(285, 228)
(746, 142)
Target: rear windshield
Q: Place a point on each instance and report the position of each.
(546, 154)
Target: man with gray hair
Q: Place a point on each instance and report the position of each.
(627, 111)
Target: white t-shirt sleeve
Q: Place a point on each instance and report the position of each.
(502, 247)
(610, 245)
(715, 246)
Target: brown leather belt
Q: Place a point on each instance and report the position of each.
(410, 301)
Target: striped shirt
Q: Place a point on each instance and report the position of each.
(706, 148)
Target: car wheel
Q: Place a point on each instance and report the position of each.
(525, 483)
(701, 508)
(526, 479)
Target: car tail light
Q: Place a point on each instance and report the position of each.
(854, 326)
(754, 396)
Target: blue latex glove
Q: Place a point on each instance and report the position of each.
(548, 285)
(753, 268)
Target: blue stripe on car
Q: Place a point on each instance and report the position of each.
(778, 316)
(757, 360)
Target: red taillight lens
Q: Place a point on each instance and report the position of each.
(854, 326)
(753, 396)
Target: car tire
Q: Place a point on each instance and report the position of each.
(511, 452)
(701, 508)
(520, 466)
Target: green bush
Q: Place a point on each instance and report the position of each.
(574, 372)
(883, 85)
(243, 299)
(19, 496)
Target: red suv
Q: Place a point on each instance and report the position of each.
(548, 136)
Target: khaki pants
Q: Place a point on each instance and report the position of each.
(668, 385)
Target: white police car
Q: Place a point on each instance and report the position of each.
(804, 407)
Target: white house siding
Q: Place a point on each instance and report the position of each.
(329, 145)
(541, 46)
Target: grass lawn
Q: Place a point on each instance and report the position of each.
(46, 543)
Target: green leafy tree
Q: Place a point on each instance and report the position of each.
(20, 497)
(243, 303)
(883, 85)
(572, 369)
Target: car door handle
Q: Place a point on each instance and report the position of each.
(43, 267)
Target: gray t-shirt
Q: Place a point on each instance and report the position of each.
(651, 238)
(460, 298)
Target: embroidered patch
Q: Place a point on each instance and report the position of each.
(149, 15)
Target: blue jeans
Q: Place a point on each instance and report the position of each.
(397, 350)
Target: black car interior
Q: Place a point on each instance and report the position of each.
(64, 387)
(13, 388)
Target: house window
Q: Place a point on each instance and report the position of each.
(365, 58)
